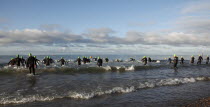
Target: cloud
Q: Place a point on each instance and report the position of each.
(202, 6)
(99, 36)
(141, 24)
(35, 36)
(194, 24)
(50, 26)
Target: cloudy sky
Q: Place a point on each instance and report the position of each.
(154, 27)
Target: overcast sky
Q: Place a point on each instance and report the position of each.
(153, 27)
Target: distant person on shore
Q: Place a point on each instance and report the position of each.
(31, 63)
(200, 58)
(176, 59)
(207, 60)
(182, 60)
(144, 60)
(78, 61)
(62, 61)
(192, 59)
(99, 62)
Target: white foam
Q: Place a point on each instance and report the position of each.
(87, 95)
(131, 68)
(107, 68)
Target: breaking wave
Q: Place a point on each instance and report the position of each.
(17, 99)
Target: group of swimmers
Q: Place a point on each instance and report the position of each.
(192, 61)
(32, 61)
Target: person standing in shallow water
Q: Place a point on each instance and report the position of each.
(192, 59)
(99, 62)
(107, 60)
(62, 61)
(200, 58)
(182, 60)
(31, 63)
(23, 61)
(207, 60)
(176, 59)
(79, 61)
(18, 61)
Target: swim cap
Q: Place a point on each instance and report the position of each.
(174, 54)
(29, 54)
(78, 57)
(34, 56)
(98, 57)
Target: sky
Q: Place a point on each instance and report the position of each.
(139, 27)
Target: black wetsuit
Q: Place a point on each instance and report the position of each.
(30, 63)
(199, 60)
(100, 62)
(51, 60)
(12, 62)
(36, 61)
(88, 60)
(62, 61)
(192, 60)
(84, 60)
(149, 59)
(207, 60)
(144, 60)
(44, 60)
(47, 62)
(23, 61)
(18, 61)
(107, 60)
(169, 60)
(79, 61)
(176, 59)
(182, 61)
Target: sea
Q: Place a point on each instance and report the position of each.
(122, 83)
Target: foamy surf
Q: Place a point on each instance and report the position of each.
(17, 98)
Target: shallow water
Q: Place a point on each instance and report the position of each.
(156, 84)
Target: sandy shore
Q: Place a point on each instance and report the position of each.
(205, 102)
